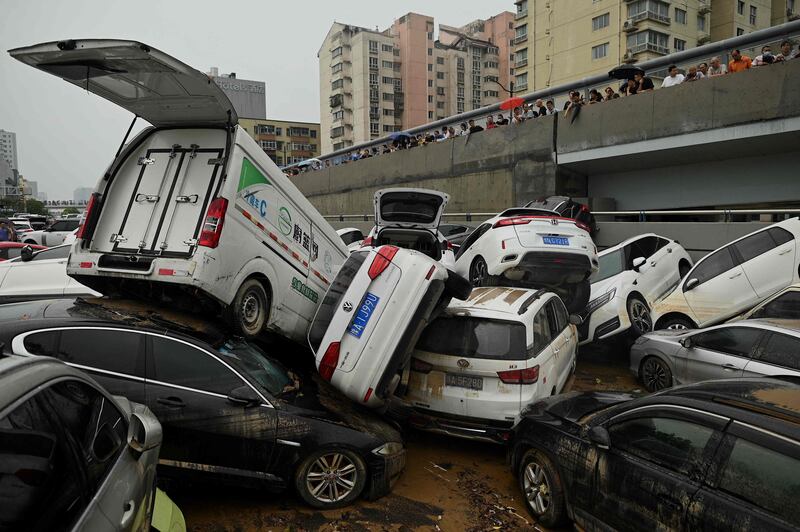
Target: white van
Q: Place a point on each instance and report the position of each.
(192, 206)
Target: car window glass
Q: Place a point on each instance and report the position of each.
(611, 264)
(352, 236)
(716, 264)
(109, 349)
(647, 246)
(552, 320)
(764, 477)
(93, 423)
(42, 343)
(781, 350)
(661, 243)
(61, 252)
(71, 225)
(737, 341)
(11, 253)
(46, 481)
(754, 245)
(785, 306)
(475, 338)
(541, 331)
(475, 235)
(182, 364)
(671, 443)
(561, 313)
(780, 235)
(255, 362)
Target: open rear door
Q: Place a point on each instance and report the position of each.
(135, 76)
(409, 207)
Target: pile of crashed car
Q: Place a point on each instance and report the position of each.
(209, 259)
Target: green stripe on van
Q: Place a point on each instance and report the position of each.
(251, 176)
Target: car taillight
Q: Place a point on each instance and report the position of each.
(212, 226)
(382, 259)
(88, 216)
(520, 376)
(511, 221)
(329, 361)
(420, 366)
(446, 245)
(367, 241)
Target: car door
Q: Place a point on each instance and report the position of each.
(721, 289)
(720, 353)
(470, 248)
(45, 275)
(665, 262)
(649, 274)
(777, 354)
(187, 388)
(654, 466)
(564, 341)
(52, 236)
(768, 260)
(545, 349)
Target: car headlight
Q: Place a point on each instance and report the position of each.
(388, 449)
(598, 302)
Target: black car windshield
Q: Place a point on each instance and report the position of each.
(252, 360)
(410, 207)
(611, 264)
(475, 338)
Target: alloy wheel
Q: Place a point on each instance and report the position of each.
(331, 478)
(479, 273)
(654, 375)
(537, 488)
(677, 327)
(640, 317)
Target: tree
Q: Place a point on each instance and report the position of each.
(36, 207)
(70, 210)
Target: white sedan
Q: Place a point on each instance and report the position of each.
(39, 275)
(632, 275)
(53, 235)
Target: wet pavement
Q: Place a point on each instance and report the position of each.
(449, 484)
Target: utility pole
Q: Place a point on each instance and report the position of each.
(510, 92)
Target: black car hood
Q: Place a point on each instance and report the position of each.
(573, 406)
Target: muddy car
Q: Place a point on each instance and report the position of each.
(230, 412)
(718, 455)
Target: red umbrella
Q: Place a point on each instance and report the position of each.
(511, 103)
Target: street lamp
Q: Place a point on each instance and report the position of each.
(510, 95)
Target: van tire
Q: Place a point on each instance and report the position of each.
(250, 309)
(456, 286)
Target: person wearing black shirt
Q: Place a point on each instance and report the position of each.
(474, 128)
(643, 83)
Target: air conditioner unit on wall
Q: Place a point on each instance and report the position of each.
(629, 26)
(628, 57)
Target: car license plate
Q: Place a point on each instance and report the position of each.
(556, 240)
(363, 314)
(464, 381)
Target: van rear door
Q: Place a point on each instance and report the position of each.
(135, 76)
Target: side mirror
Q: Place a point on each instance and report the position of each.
(244, 395)
(638, 262)
(574, 319)
(691, 283)
(599, 437)
(144, 433)
(26, 254)
(686, 342)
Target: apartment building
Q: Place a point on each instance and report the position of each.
(373, 83)
(561, 41)
(8, 148)
(730, 18)
(784, 11)
(285, 142)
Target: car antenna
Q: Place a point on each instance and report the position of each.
(125, 138)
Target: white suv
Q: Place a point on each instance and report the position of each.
(476, 367)
(372, 315)
(534, 247)
(733, 278)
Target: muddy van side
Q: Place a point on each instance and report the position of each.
(192, 210)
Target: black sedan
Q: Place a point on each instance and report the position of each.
(228, 410)
(718, 455)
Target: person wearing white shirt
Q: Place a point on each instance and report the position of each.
(674, 78)
(716, 68)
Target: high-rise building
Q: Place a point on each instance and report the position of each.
(561, 41)
(784, 11)
(8, 148)
(249, 97)
(373, 83)
(285, 142)
(730, 18)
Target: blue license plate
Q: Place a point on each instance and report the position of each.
(363, 314)
(556, 240)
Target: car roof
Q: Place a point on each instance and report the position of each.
(484, 301)
(628, 241)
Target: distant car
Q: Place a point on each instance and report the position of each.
(733, 279)
(37, 221)
(568, 208)
(718, 455)
(230, 411)
(409, 218)
(22, 225)
(533, 248)
(352, 237)
(12, 250)
(455, 233)
(372, 315)
(748, 348)
(72, 457)
(39, 275)
(785, 305)
(632, 275)
(479, 364)
(53, 235)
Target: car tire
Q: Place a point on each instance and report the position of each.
(639, 316)
(456, 286)
(655, 374)
(676, 323)
(541, 489)
(250, 309)
(479, 272)
(577, 296)
(346, 471)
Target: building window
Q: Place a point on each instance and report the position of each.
(373, 78)
(430, 83)
(336, 68)
(440, 75)
(494, 79)
(387, 80)
(753, 13)
(389, 129)
(654, 9)
(338, 146)
(680, 45)
(600, 51)
(460, 63)
(336, 52)
(440, 105)
(601, 22)
(374, 128)
(440, 60)
(387, 64)
(440, 91)
(268, 145)
(388, 112)
(680, 16)
(338, 84)
(430, 115)
(648, 40)
(521, 80)
(522, 7)
(338, 115)
(388, 96)
(313, 133)
(387, 47)
(491, 94)
(430, 51)
(430, 67)
(430, 98)
(739, 31)
(337, 132)
(430, 35)
(701, 23)
(740, 7)
(490, 64)
(522, 31)
(373, 62)
(373, 47)
(398, 84)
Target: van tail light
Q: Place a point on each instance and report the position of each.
(420, 366)
(367, 241)
(518, 220)
(520, 376)
(88, 219)
(382, 259)
(329, 361)
(212, 226)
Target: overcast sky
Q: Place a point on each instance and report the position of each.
(66, 137)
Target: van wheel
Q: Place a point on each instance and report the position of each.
(250, 308)
(456, 286)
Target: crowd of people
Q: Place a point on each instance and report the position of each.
(639, 82)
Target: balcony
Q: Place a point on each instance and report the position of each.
(650, 15)
(519, 40)
(703, 38)
(521, 63)
(521, 14)
(704, 8)
(649, 47)
(520, 87)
